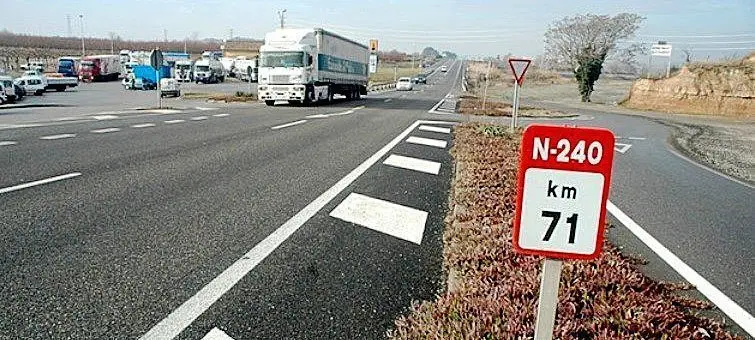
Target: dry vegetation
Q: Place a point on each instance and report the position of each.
(473, 105)
(495, 292)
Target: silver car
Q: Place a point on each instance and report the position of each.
(404, 84)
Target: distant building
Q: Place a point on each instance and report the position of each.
(241, 47)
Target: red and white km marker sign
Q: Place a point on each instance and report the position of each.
(562, 189)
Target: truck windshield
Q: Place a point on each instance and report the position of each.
(282, 59)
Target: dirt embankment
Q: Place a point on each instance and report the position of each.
(711, 89)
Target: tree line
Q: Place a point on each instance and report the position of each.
(8, 39)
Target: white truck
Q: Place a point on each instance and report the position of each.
(245, 68)
(309, 65)
(208, 70)
(53, 81)
(183, 70)
(228, 65)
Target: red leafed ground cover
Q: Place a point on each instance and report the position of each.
(493, 293)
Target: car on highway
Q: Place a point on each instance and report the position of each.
(444, 68)
(419, 79)
(404, 84)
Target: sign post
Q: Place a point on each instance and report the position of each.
(662, 49)
(518, 69)
(156, 61)
(563, 183)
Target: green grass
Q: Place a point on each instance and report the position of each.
(386, 73)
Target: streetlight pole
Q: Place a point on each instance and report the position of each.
(83, 50)
(282, 15)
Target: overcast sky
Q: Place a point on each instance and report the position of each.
(480, 27)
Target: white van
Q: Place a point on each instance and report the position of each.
(32, 85)
(8, 91)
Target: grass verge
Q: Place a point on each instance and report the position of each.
(473, 105)
(386, 72)
(493, 291)
(237, 97)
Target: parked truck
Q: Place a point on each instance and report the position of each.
(208, 70)
(100, 67)
(310, 65)
(183, 70)
(69, 66)
(245, 68)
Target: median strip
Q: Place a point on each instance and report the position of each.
(492, 291)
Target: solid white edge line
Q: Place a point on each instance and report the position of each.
(184, 315)
(289, 124)
(723, 302)
(39, 182)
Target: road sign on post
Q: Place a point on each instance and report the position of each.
(662, 49)
(518, 69)
(562, 189)
(156, 60)
(373, 63)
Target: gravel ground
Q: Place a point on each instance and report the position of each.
(721, 143)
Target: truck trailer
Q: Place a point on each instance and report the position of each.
(310, 65)
(100, 67)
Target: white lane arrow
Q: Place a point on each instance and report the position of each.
(217, 334)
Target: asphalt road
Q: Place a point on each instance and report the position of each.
(252, 221)
(166, 201)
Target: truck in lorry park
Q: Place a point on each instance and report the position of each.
(310, 65)
(183, 70)
(100, 67)
(69, 66)
(52, 81)
(208, 69)
(244, 68)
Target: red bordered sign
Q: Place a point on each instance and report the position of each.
(562, 189)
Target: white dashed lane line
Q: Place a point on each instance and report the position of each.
(61, 136)
(427, 141)
(107, 130)
(199, 118)
(434, 129)
(39, 182)
(412, 163)
(221, 115)
(145, 125)
(7, 142)
(289, 124)
(175, 121)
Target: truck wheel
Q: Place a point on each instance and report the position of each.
(269, 102)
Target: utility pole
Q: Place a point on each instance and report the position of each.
(112, 42)
(282, 16)
(165, 34)
(83, 49)
(68, 25)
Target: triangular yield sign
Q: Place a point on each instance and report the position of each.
(518, 68)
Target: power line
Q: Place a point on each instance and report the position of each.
(699, 36)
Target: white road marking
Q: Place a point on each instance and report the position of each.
(387, 100)
(199, 118)
(7, 142)
(621, 147)
(105, 117)
(389, 218)
(106, 130)
(206, 108)
(60, 136)
(359, 107)
(164, 111)
(217, 334)
(723, 302)
(39, 182)
(221, 115)
(289, 124)
(411, 163)
(184, 315)
(427, 141)
(434, 129)
(175, 121)
(637, 138)
(142, 125)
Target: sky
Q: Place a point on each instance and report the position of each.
(712, 28)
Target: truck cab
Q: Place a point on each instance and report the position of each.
(183, 70)
(208, 70)
(69, 66)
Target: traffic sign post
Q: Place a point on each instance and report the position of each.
(156, 61)
(662, 49)
(518, 69)
(562, 189)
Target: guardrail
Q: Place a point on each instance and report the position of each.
(381, 86)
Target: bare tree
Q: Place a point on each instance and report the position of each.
(583, 42)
